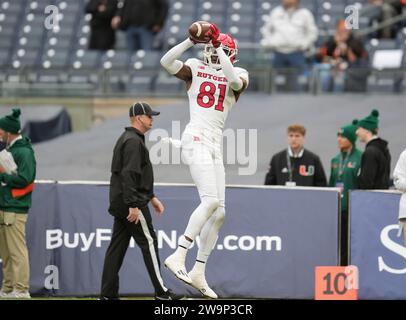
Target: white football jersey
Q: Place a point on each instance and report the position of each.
(210, 95)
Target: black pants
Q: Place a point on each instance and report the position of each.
(145, 237)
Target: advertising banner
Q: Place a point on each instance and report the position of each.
(269, 246)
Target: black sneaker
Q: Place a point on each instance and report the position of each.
(169, 295)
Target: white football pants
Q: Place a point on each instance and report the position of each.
(205, 160)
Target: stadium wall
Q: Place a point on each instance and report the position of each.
(268, 247)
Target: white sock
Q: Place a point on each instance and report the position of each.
(199, 267)
(208, 239)
(183, 247)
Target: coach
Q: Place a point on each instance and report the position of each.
(131, 189)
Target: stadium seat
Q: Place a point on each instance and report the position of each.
(57, 42)
(186, 8)
(11, 6)
(74, 7)
(167, 83)
(145, 60)
(7, 31)
(85, 59)
(54, 58)
(4, 57)
(66, 46)
(113, 59)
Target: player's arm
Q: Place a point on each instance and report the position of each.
(237, 83)
(174, 66)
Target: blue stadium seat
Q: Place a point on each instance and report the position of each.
(113, 59)
(11, 6)
(38, 6)
(23, 58)
(145, 60)
(4, 57)
(85, 59)
(54, 58)
(22, 30)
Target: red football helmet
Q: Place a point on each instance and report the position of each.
(229, 46)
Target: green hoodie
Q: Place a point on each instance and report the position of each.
(24, 158)
(349, 177)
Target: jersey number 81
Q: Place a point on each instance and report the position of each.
(208, 89)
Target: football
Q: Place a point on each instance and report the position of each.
(198, 31)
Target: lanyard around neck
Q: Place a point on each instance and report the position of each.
(343, 164)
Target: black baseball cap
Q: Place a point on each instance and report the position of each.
(142, 108)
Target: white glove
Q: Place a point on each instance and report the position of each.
(174, 142)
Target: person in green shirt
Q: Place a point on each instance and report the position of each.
(345, 167)
(16, 185)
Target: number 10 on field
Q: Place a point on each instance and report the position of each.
(336, 283)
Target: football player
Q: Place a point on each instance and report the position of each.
(213, 87)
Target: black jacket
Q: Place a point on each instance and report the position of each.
(132, 178)
(375, 165)
(329, 49)
(306, 171)
(102, 36)
(142, 13)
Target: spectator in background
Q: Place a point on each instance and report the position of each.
(15, 202)
(102, 36)
(344, 175)
(357, 67)
(375, 162)
(342, 54)
(380, 11)
(399, 178)
(336, 46)
(142, 20)
(290, 31)
(296, 166)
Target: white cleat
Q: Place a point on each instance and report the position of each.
(177, 268)
(199, 282)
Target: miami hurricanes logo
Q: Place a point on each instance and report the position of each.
(351, 165)
(303, 172)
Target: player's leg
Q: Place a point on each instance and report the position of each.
(209, 236)
(202, 169)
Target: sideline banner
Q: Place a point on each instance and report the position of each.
(376, 248)
(270, 243)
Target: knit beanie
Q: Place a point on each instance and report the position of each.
(348, 131)
(370, 122)
(11, 123)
